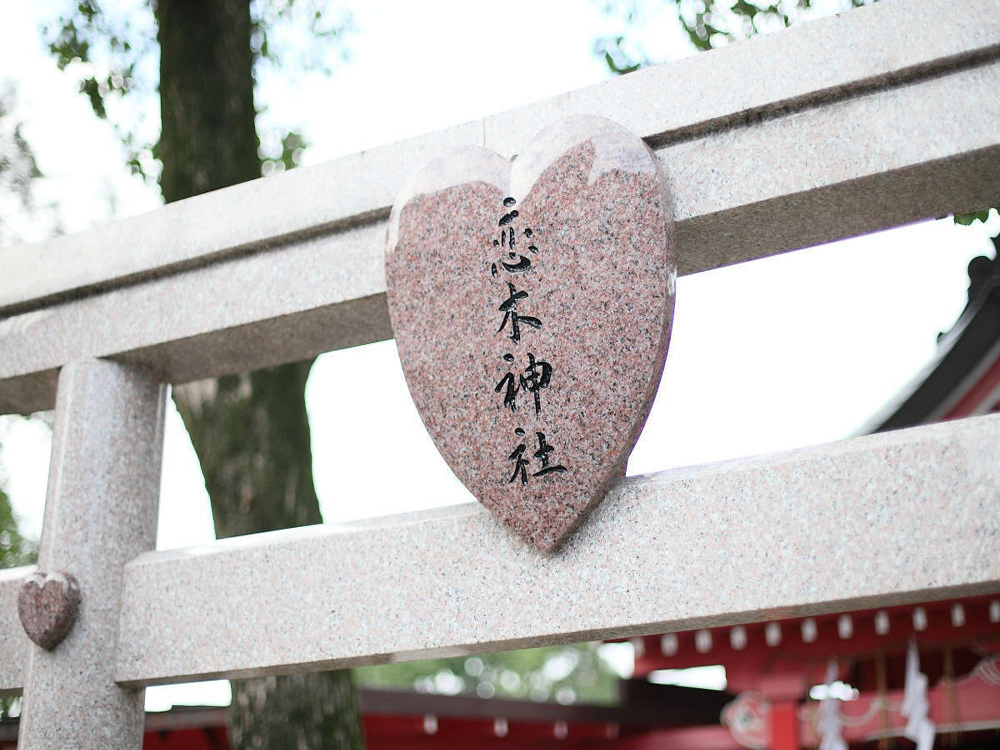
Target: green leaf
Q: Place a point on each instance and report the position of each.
(972, 217)
(92, 89)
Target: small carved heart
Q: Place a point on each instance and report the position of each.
(47, 606)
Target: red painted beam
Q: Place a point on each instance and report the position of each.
(868, 632)
(977, 393)
(967, 704)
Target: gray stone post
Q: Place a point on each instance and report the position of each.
(100, 512)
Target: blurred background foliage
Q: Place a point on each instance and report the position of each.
(708, 24)
(711, 24)
(112, 51)
(14, 548)
(19, 173)
(561, 674)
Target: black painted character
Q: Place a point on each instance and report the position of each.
(508, 382)
(542, 454)
(507, 238)
(517, 262)
(507, 241)
(537, 376)
(518, 455)
(509, 309)
(522, 264)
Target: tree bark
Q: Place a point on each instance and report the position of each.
(250, 431)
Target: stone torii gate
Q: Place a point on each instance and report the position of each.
(885, 115)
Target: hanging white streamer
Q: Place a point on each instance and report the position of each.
(830, 724)
(919, 727)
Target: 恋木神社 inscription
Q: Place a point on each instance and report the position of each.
(536, 374)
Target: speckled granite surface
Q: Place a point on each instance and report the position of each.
(735, 185)
(877, 521)
(100, 512)
(531, 303)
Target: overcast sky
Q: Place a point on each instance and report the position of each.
(790, 351)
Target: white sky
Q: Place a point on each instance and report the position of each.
(790, 351)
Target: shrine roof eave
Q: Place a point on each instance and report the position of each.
(967, 355)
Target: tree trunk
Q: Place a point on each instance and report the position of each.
(250, 431)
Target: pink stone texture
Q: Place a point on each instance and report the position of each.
(531, 303)
(47, 606)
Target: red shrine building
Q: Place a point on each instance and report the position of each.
(902, 676)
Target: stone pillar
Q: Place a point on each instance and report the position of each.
(100, 512)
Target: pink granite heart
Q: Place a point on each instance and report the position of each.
(48, 605)
(531, 304)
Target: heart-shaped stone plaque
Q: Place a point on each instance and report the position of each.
(47, 606)
(531, 303)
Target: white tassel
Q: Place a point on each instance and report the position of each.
(919, 727)
(830, 725)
